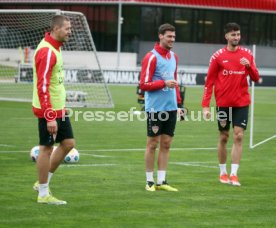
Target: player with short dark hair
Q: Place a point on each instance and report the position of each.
(49, 106)
(159, 81)
(227, 73)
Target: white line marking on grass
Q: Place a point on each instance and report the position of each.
(7, 145)
(143, 149)
(118, 150)
(272, 137)
(23, 118)
(85, 165)
(95, 155)
(15, 151)
(193, 164)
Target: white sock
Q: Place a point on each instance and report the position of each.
(43, 190)
(49, 177)
(222, 168)
(149, 176)
(161, 176)
(234, 169)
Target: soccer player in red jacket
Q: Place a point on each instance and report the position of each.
(49, 106)
(228, 71)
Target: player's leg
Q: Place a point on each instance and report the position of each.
(66, 139)
(153, 133)
(152, 143)
(43, 165)
(163, 158)
(60, 152)
(236, 154)
(240, 118)
(222, 146)
(46, 142)
(168, 120)
(223, 126)
(237, 145)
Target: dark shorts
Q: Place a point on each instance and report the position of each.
(159, 123)
(64, 131)
(237, 115)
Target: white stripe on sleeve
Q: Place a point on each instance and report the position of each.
(46, 70)
(148, 66)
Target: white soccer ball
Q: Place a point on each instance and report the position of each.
(35, 152)
(72, 157)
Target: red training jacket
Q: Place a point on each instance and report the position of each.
(44, 66)
(229, 77)
(148, 69)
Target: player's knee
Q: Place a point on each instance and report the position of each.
(224, 137)
(238, 136)
(152, 145)
(46, 150)
(166, 145)
(68, 144)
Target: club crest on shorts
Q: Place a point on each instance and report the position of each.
(222, 123)
(155, 129)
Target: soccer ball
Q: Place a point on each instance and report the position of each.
(35, 152)
(72, 157)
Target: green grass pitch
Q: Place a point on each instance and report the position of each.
(106, 189)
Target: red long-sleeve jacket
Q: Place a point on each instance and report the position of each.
(229, 77)
(45, 60)
(148, 69)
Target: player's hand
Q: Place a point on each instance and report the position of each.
(181, 113)
(206, 113)
(171, 83)
(245, 62)
(52, 127)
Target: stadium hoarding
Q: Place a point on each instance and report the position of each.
(74, 75)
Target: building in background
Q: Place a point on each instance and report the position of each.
(199, 24)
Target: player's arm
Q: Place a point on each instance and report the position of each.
(178, 96)
(147, 71)
(45, 60)
(180, 108)
(251, 68)
(209, 84)
(253, 71)
(210, 81)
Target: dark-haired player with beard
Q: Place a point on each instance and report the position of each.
(227, 73)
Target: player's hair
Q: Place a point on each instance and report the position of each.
(165, 27)
(58, 20)
(232, 26)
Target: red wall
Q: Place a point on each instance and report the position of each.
(247, 5)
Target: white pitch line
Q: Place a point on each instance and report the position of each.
(197, 162)
(14, 151)
(193, 164)
(7, 145)
(120, 150)
(23, 118)
(95, 155)
(143, 149)
(85, 165)
(272, 137)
